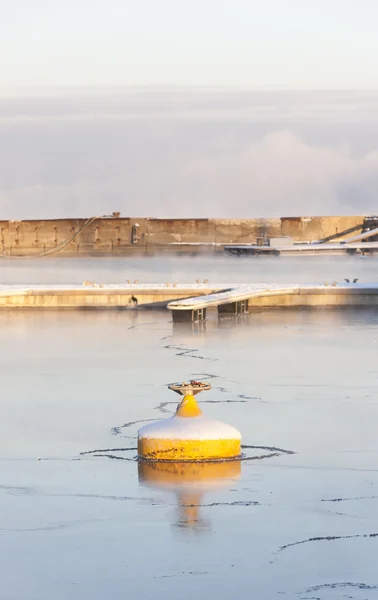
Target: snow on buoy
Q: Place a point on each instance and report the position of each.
(188, 435)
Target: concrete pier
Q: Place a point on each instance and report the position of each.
(98, 296)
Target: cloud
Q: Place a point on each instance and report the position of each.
(282, 175)
(189, 155)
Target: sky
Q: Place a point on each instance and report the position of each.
(285, 44)
(207, 108)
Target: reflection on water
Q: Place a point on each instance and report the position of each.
(189, 482)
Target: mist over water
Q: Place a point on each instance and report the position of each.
(184, 269)
(187, 152)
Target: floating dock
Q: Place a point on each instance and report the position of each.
(358, 247)
(242, 299)
(365, 242)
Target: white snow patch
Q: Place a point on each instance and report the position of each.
(189, 428)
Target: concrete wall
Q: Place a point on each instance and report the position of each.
(113, 236)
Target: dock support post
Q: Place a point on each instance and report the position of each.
(234, 308)
(189, 316)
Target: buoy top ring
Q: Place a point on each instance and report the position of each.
(189, 389)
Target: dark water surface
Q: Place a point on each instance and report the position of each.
(299, 525)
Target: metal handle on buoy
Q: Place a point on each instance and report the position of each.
(192, 388)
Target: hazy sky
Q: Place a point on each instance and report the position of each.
(189, 153)
(249, 43)
(167, 108)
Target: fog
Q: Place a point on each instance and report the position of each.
(187, 152)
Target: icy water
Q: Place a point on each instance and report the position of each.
(80, 519)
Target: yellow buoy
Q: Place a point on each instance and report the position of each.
(188, 435)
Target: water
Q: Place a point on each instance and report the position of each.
(88, 526)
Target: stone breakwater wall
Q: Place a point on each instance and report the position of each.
(118, 236)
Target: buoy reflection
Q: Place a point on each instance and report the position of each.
(190, 482)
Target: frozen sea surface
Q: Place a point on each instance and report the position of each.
(298, 520)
